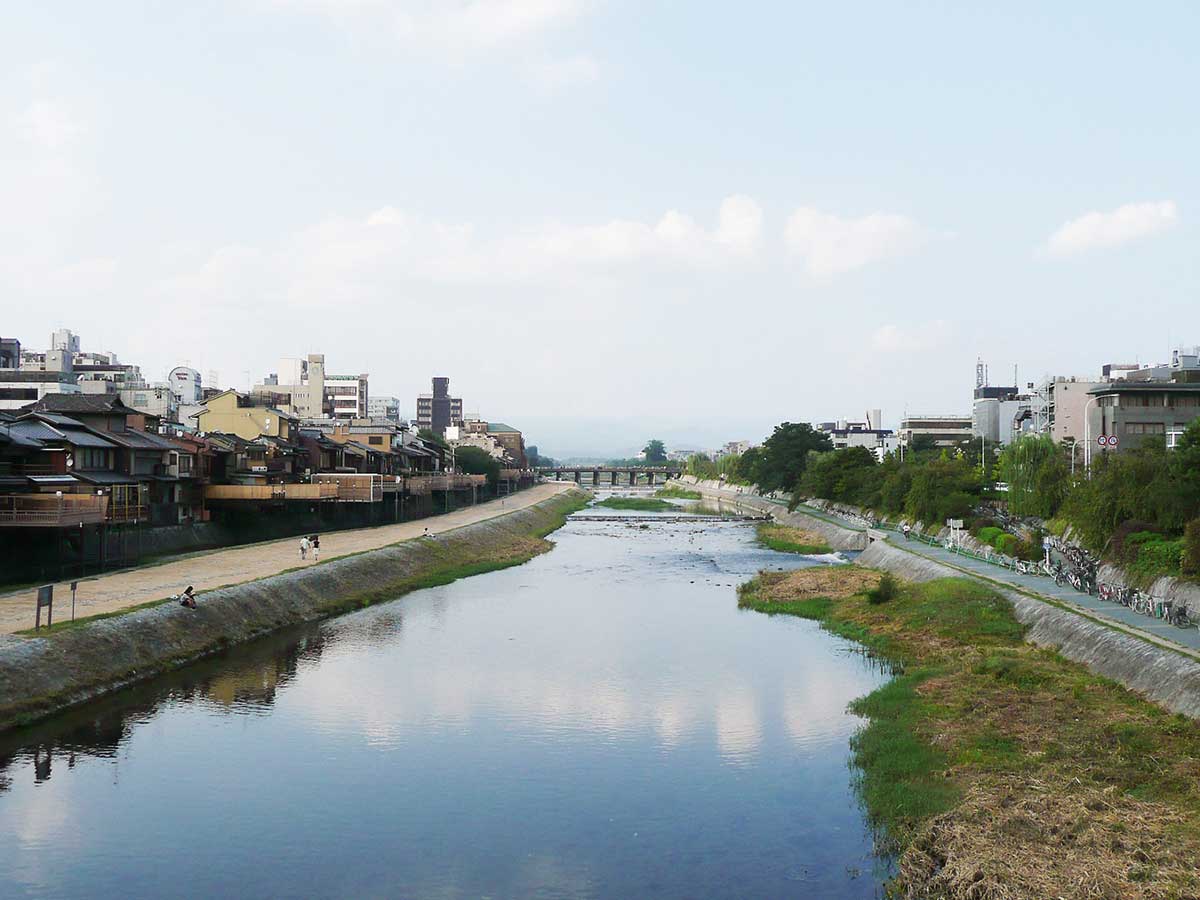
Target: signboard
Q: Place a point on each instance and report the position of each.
(45, 598)
(954, 523)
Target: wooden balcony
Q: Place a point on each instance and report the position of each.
(427, 484)
(266, 493)
(50, 511)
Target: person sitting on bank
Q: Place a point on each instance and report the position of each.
(188, 598)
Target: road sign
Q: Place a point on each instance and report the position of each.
(45, 598)
(1102, 440)
(1112, 440)
(954, 523)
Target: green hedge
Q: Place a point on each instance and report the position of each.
(1190, 564)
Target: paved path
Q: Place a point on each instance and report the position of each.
(247, 562)
(1034, 584)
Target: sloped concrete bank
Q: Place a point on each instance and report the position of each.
(39, 676)
(1161, 674)
(837, 538)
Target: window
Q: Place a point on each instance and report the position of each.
(1145, 428)
(18, 393)
(92, 458)
(376, 439)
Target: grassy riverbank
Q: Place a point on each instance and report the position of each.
(638, 504)
(998, 769)
(786, 539)
(678, 493)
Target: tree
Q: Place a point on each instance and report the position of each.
(784, 455)
(477, 461)
(655, 451)
(1037, 474)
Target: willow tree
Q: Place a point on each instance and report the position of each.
(1037, 474)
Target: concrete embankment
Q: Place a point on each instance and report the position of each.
(838, 538)
(41, 675)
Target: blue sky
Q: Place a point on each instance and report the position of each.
(607, 219)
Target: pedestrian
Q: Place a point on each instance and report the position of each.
(188, 598)
(426, 534)
(906, 529)
(304, 545)
(316, 547)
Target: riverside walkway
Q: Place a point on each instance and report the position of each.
(212, 569)
(1035, 585)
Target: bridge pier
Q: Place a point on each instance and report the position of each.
(578, 477)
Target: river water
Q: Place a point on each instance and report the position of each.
(601, 722)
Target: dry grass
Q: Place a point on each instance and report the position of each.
(831, 582)
(787, 539)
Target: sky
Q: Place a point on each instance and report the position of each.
(607, 220)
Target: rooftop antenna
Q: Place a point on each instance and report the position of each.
(980, 372)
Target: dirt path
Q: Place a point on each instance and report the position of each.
(206, 571)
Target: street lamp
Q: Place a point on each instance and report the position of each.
(1087, 435)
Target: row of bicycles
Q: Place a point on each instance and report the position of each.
(1076, 567)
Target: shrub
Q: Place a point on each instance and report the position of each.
(1190, 564)
(1008, 544)
(885, 591)
(990, 534)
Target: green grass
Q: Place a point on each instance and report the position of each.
(973, 705)
(639, 504)
(678, 493)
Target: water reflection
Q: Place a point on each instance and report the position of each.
(600, 722)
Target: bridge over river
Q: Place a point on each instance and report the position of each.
(612, 475)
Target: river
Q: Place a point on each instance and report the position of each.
(600, 722)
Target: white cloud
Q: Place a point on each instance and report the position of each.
(829, 244)
(48, 125)
(367, 258)
(1126, 223)
(456, 27)
(911, 338)
(552, 76)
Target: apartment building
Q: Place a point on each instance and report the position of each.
(438, 411)
(945, 431)
(1132, 411)
(346, 396)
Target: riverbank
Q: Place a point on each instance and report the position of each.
(115, 592)
(998, 768)
(40, 675)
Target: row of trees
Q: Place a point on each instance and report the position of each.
(775, 466)
(1135, 504)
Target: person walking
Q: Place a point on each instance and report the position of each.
(907, 532)
(316, 547)
(304, 545)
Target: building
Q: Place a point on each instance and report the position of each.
(232, 413)
(298, 387)
(345, 396)
(302, 388)
(1001, 414)
(1058, 407)
(20, 386)
(868, 433)
(384, 408)
(736, 448)
(439, 411)
(944, 431)
(10, 353)
(1131, 411)
(64, 339)
(185, 385)
(511, 440)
